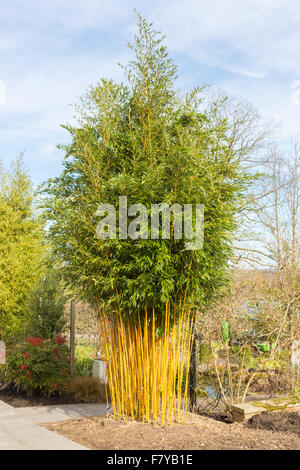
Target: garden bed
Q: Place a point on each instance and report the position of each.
(12, 397)
(288, 422)
(199, 432)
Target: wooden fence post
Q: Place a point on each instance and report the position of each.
(72, 336)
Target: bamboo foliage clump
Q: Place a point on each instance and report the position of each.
(147, 372)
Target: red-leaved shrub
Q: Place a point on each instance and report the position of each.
(39, 364)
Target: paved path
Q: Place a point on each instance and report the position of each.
(19, 429)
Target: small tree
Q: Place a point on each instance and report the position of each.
(21, 248)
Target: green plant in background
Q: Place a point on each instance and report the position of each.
(47, 305)
(84, 360)
(205, 355)
(21, 251)
(226, 333)
(83, 366)
(39, 365)
(84, 356)
(246, 354)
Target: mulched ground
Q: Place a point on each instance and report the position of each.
(12, 397)
(288, 422)
(199, 432)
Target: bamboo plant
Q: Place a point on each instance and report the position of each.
(143, 140)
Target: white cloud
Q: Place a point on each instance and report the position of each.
(251, 47)
(2, 92)
(50, 52)
(263, 35)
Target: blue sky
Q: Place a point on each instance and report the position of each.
(51, 51)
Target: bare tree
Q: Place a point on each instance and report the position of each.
(271, 237)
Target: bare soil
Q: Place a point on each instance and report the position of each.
(288, 422)
(198, 432)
